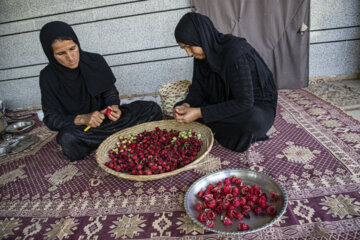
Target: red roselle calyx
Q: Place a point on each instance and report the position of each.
(232, 200)
(200, 194)
(227, 181)
(154, 152)
(227, 188)
(273, 196)
(210, 215)
(211, 203)
(202, 217)
(258, 210)
(199, 206)
(236, 202)
(230, 213)
(238, 215)
(227, 221)
(210, 223)
(243, 227)
(108, 111)
(271, 210)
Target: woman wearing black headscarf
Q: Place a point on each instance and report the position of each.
(76, 88)
(232, 91)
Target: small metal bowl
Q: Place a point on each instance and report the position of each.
(20, 126)
(266, 183)
(4, 148)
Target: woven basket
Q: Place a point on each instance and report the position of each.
(172, 93)
(207, 137)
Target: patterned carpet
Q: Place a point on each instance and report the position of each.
(313, 151)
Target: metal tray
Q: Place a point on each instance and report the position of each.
(17, 144)
(256, 223)
(20, 126)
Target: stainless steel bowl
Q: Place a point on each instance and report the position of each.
(7, 145)
(4, 148)
(256, 223)
(20, 126)
(17, 144)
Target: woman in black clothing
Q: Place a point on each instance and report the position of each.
(233, 91)
(76, 88)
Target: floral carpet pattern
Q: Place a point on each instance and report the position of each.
(313, 151)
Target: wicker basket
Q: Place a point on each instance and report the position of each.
(207, 137)
(172, 93)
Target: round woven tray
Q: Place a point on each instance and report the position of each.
(207, 137)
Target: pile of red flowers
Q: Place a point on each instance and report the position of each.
(232, 199)
(154, 152)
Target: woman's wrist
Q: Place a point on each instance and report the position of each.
(186, 105)
(78, 120)
(199, 114)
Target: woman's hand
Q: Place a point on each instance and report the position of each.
(93, 119)
(115, 113)
(181, 109)
(186, 114)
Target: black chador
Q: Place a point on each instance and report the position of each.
(233, 87)
(66, 93)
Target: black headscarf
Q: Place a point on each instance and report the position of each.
(220, 49)
(92, 68)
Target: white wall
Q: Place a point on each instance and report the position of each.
(136, 38)
(334, 37)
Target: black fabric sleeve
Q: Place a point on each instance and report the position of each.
(111, 97)
(241, 93)
(54, 118)
(195, 96)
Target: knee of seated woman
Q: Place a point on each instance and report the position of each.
(156, 109)
(68, 141)
(155, 106)
(66, 136)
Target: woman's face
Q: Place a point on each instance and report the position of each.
(66, 52)
(193, 51)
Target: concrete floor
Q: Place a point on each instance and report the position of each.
(353, 110)
(355, 114)
(344, 94)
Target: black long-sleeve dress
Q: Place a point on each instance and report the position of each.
(233, 87)
(66, 93)
(59, 115)
(242, 116)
